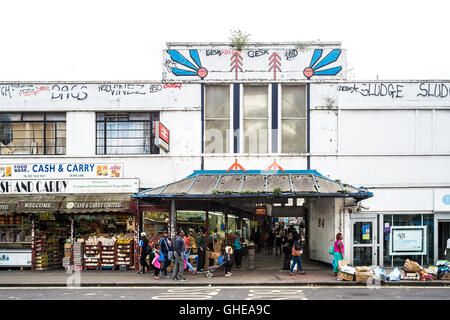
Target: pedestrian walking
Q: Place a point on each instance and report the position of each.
(278, 240)
(228, 260)
(296, 255)
(166, 249)
(237, 249)
(201, 250)
(287, 243)
(256, 241)
(338, 252)
(178, 253)
(144, 249)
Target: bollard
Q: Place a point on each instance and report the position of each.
(251, 258)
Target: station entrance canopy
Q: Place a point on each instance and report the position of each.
(244, 190)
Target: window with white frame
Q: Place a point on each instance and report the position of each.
(217, 118)
(125, 133)
(32, 133)
(255, 119)
(293, 119)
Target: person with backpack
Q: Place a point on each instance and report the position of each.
(296, 255)
(166, 248)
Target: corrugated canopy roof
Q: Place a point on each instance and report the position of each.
(207, 184)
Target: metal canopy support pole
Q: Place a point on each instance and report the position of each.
(137, 231)
(226, 223)
(72, 238)
(173, 219)
(33, 241)
(207, 226)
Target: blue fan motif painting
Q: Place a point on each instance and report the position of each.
(193, 69)
(315, 65)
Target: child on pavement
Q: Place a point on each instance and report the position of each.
(228, 260)
(155, 262)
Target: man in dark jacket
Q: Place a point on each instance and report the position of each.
(178, 253)
(201, 251)
(143, 244)
(288, 242)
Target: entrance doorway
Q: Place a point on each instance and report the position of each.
(443, 238)
(364, 235)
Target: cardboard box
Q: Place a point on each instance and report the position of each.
(363, 276)
(345, 276)
(446, 276)
(363, 269)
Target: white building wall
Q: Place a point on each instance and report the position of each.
(80, 134)
(321, 238)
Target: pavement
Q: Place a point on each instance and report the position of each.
(266, 273)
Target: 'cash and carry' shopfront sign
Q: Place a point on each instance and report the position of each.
(61, 170)
(56, 186)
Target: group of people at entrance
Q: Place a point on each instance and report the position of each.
(179, 250)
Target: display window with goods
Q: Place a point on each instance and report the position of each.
(15, 241)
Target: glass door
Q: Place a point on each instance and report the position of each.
(364, 238)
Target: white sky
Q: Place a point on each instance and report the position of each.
(122, 40)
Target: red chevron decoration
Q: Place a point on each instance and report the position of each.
(274, 167)
(236, 166)
(236, 63)
(275, 64)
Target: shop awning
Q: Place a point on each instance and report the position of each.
(39, 203)
(8, 204)
(93, 203)
(255, 184)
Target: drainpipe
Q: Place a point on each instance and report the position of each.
(173, 219)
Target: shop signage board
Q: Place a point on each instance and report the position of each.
(162, 136)
(366, 232)
(408, 240)
(37, 206)
(15, 258)
(73, 206)
(69, 186)
(89, 170)
(261, 211)
(442, 200)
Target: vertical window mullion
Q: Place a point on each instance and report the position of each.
(45, 134)
(104, 135)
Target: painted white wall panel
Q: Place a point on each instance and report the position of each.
(442, 131)
(386, 200)
(377, 132)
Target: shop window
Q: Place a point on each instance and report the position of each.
(408, 220)
(217, 119)
(32, 133)
(293, 119)
(256, 119)
(126, 133)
